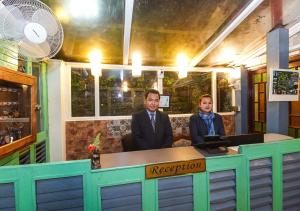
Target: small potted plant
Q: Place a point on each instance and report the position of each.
(94, 151)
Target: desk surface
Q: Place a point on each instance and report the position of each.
(167, 155)
(153, 156)
(275, 137)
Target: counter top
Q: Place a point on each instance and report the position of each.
(153, 156)
(275, 137)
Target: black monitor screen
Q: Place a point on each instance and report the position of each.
(227, 141)
(245, 139)
(211, 138)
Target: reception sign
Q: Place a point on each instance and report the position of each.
(174, 168)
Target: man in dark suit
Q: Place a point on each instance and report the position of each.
(151, 128)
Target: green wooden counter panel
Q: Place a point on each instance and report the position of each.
(224, 185)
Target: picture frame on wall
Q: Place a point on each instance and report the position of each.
(284, 85)
(164, 101)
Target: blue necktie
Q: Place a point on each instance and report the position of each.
(152, 120)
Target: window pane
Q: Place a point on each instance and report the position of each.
(83, 92)
(255, 92)
(223, 93)
(15, 110)
(184, 93)
(257, 78)
(123, 97)
(257, 126)
(264, 77)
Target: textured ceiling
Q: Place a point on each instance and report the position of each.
(160, 29)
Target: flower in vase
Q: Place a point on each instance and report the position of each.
(91, 147)
(94, 146)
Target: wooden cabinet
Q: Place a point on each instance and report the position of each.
(18, 94)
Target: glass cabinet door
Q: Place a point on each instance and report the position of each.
(17, 115)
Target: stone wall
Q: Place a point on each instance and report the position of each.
(79, 134)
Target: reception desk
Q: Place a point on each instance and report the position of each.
(144, 157)
(259, 177)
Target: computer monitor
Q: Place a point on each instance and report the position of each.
(212, 142)
(233, 140)
(211, 138)
(251, 138)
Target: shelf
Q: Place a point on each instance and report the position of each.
(26, 95)
(26, 119)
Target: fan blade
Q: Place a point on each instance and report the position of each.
(36, 51)
(12, 24)
(47, 20)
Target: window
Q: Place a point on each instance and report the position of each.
(184, 93)
(82, 92)
(224, 93)
(120, 94)
(123, 97)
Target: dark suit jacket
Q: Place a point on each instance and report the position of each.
(144, 136)
(198, 128)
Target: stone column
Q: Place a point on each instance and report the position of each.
(241, 98)
(277, 58)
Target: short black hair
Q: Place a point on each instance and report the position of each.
(152, 91)
(204, 96)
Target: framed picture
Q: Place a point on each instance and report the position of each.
(164, 101)
(284, 85)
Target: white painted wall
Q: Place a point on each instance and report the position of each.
(56, 102)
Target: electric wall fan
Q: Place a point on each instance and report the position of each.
(34, 27)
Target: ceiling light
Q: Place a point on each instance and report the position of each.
(182, 64)
(227, 54)
(136, 64)
(83, 9)
(95, 58)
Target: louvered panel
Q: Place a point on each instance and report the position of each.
(40, 152)
(60, 194)
(7, 197)
(261, 184)
(122, 197)
(8, 54)
(175, 193)
(291, 181)
(222, 190)
(25, 158)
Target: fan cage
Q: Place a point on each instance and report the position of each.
(28, 8)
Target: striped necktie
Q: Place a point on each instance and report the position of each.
(152, 120)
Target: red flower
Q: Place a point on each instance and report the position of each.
(91, 148)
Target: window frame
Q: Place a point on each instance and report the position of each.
(67, 90)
